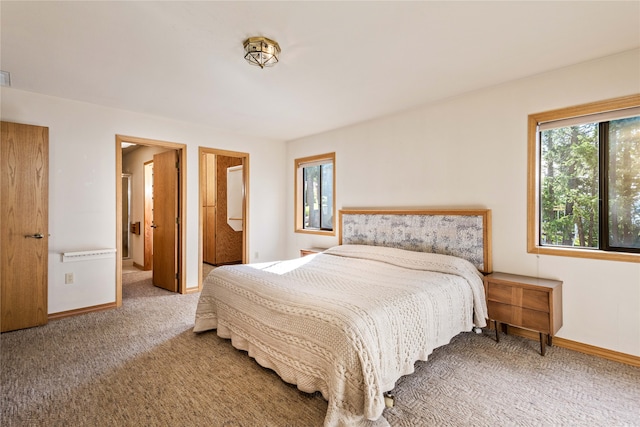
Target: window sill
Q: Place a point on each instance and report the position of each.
(585, 253)
(318, 232)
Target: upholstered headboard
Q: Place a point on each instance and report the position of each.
(465, 233)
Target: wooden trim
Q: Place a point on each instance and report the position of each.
(484, 213)
(182, 259)
(586, 253)
(318, 232)
(182, 159)
(613, 104)
(533, 165)
(84, 310)
(616, 356)
(591, 350)
(297, 205)
(245, 205)
(119, 224)
(533, 220)
(488, 247)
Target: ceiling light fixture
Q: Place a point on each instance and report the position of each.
(261, 51)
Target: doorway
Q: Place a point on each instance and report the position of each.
(173, 200)
(224, 207)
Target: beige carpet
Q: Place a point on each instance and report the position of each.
(141, 365)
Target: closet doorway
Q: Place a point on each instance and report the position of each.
(169, 208)
(224, 206)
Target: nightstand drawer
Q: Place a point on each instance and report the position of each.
(528, 298)
(518, 316)
(310, 251)
(535, 300)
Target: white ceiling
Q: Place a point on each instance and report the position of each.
(341, 62)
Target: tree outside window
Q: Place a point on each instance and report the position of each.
(315, 190)
(569, 186)
(587, 170)
(623, 183)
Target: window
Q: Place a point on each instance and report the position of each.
(584, 181)
(315, 194)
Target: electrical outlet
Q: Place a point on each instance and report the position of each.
(68, 278)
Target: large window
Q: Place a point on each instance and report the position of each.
(584, 180)
(315, 194)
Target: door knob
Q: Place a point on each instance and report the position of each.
(154, 226)
(35, 236)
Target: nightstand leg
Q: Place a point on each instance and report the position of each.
(495, 325)
(542, 343)
(550, 340)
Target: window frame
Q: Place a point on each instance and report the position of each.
(533, 178)
(299, 198)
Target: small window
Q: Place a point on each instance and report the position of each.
(584, 180)
(315, 194)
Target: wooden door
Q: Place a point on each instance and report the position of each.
(165, 220)
(24, 220)
(209, 208)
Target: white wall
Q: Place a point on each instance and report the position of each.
(470, 151)
(82, 180)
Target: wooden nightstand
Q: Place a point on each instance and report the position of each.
(526, 302)
(309, 251)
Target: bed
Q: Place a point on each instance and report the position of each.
(352, 320)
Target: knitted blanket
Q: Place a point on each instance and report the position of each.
(348, 322)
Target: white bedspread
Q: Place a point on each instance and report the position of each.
(348, 322)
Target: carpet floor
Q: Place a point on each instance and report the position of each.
(141, 365)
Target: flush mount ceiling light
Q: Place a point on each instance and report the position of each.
(261, 51)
